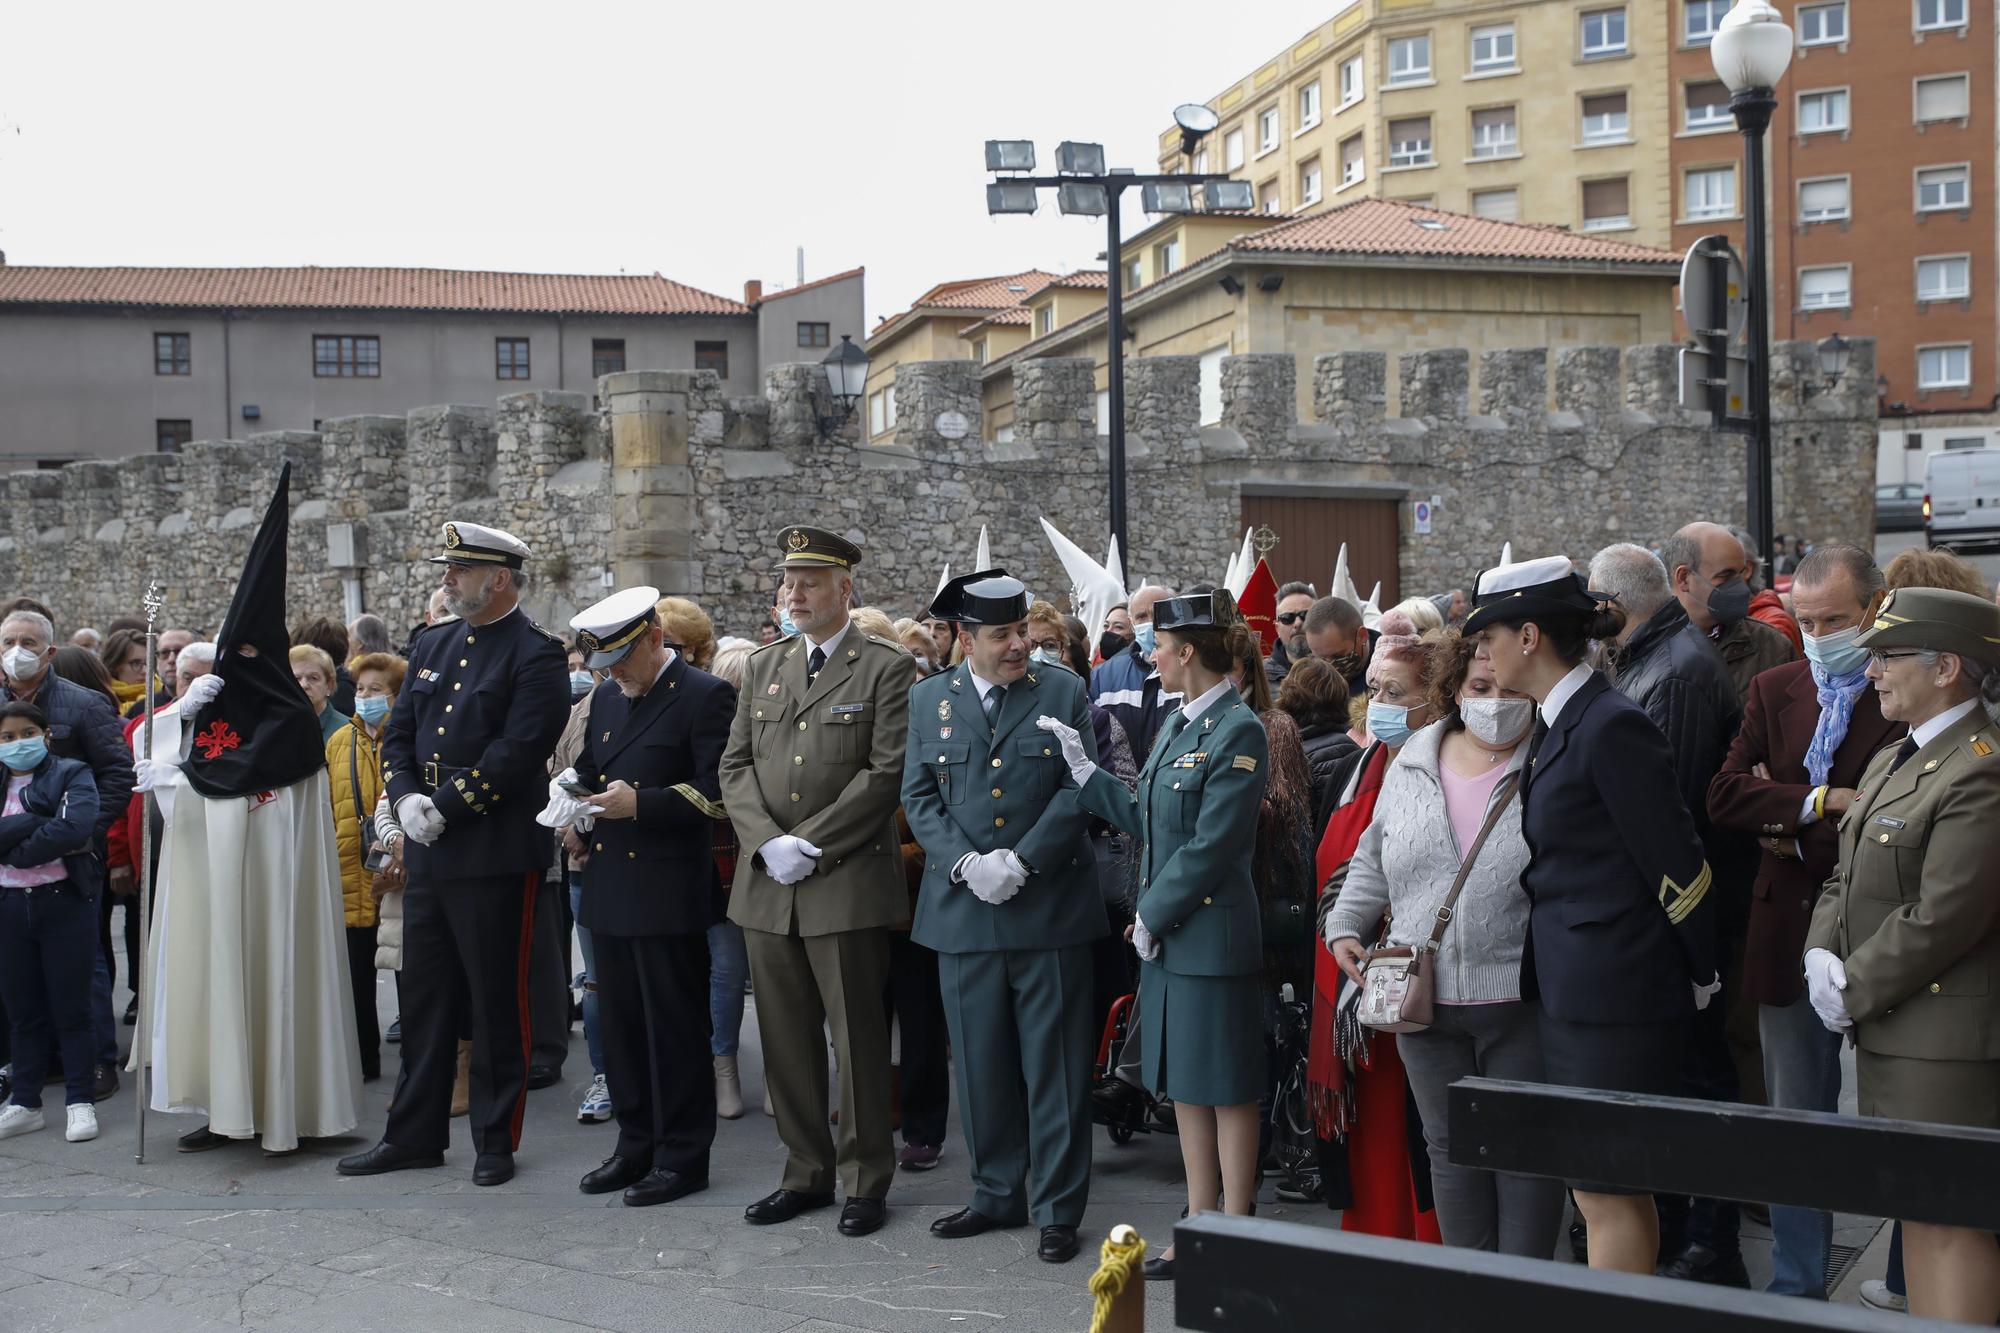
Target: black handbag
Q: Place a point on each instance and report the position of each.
(373, 859)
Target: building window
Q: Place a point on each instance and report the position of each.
(1944, 278)
(170, 437)
(1309, 180)
(1826, 288)
(1350, 81)
(1935, 14)
(1492, 48)
(1309, 105)
(1410, 142)
(979, 351)
(814, 335)
(1134, 274)
(1709, 192)
(715, 356)
(1199, 164)
(1045, 319)
(510, 358)
(1948, 97)
(171, 354)
(1824, 200)
(607, 357)
(1943, 187)
(1166, 258)
(1700, 20)
(1606, 119)
(1211, 385)
(1353, 161)
(878, 420)
(1823, 112)
(1409, 59)
(1493, 133)
(1267, 129)
(1267, 196)
(1603, 33)
(346, 356)
(1944, 367)
(1500, 205)
(1823, 25)
(1707, 107)
(1606, 204)
(1232, 149)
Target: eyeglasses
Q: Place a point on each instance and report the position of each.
(1877, 657)
(1291, 617)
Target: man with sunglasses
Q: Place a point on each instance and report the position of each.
(1294, 601)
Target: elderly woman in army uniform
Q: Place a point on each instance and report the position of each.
(1904, 951)
(1197, 929)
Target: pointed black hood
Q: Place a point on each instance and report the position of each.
(260, 733)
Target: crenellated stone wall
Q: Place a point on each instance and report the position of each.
(662, 479)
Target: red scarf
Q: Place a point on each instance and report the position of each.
(1327, 1093)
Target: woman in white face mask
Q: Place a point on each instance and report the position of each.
(1443, 858)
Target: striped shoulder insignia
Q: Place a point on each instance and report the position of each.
(1246, 762)
(1981, 746)
(693, 796)
(1679, 901)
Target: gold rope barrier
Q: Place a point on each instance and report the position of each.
(1119, 1285)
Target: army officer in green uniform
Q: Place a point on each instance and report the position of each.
(1010, 905)
(810, 779)
(1197, 931)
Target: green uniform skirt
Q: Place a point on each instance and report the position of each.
(1202, 1037)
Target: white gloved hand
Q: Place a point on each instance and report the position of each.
(419, 816)
(151, 772)
(1826, 978)
(1143, 940)
(200, 693)
(562, 811)
(1703, 994)
(1078, 758)
(556, 783)
(994, 876)
(789, 859)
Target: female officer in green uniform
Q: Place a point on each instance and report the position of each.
(1197, 930)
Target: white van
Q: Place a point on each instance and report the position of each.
(1962, 497)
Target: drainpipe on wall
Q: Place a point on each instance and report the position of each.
(228, 389)
(561, 368)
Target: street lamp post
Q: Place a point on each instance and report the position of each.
(1084, 186)
(1751, 49)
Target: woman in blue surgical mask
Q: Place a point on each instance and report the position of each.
(354, 778)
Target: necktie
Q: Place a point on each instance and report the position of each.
(815, 662)
(1903, 752)
(995, 699)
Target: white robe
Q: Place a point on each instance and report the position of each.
(253, 1021)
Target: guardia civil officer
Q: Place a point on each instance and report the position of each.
(1010, 904)
(463, 760)
(1198, 929)
(1904, 949)
(811, 779)
(652, 752)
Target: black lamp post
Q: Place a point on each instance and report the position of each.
(846, 369)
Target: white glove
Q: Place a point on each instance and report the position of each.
(563, 810)
(150, 772)
(419, 816)
(994, 876)
(1703, 994)
(789, 859)
(1826, 978)
(1080, 766)
(201, 692)
(1143, 940)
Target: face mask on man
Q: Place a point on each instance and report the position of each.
(1497, 721)
(1144, 636)
(1110, 644)
(24, 755)
(20, 663)
(581, 683)
(786, 624)
(372, 708)
(1389, 723)
(1836, 654)
(1731, 602)
(1347, 664)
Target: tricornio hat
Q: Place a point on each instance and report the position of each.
(816, 548)
(477, 544)
(1530, 590)
(1205, 610)
(1939, 619)
(612, 628)
(988, 597)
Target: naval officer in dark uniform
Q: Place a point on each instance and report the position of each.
(650, 890)
(1010, 904)
(464, 758)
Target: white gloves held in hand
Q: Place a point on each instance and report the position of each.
(1144, 941)
(200, 693)
(1703, 994)
(789, 859)
(1826, 978)
(563, 809)
(419, 816)
(993, 876)
(1078, 758)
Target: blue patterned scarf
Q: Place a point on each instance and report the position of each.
(1836, 709)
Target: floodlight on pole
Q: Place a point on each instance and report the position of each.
(1080, 159)
(1195, 121)
(1227, 197)
(1005, 197)
(1167, 197)
(1010, 155)
(1091, 201)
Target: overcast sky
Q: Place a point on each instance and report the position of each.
(703, 142)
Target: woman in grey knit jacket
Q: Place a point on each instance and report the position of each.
(1436, 796)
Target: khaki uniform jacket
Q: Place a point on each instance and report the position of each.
(825, 764)
(1913, 908)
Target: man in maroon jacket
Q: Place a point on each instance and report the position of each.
(1809, 729)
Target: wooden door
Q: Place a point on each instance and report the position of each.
(1310, 530)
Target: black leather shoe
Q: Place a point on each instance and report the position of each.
(967, 1222)
(1699, 1263)
(782, 1205)
(863, 1216)
(199, 1140)
(541, 1076)
(493, 1168)
(614, 1174)
(384, 1157)
(661, 1185)
(132, 1012)
(104, 1083)
(1159, 1270)
(1058, 1244)
(1117, 1102)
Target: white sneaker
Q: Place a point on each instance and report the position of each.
(82, 1122)
(20, 1120)
(596, 1107)
(1876, 1292)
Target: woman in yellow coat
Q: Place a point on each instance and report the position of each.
(354, 775)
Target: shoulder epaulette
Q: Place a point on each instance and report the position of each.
(547, 633)
(767, 647)
(886, 643)
(1981, 746)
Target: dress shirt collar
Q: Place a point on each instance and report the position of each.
(830, 644)
(979, 682)
(1565, 690)
(1199, 706)
(1931, 730)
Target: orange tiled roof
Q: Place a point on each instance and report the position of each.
(1089, 279)
(363, 289)
(1391, 227)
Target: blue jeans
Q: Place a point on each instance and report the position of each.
(728, 965)
(592, 1041)
(1801, 1073)
(103, 1023)
(48, 938)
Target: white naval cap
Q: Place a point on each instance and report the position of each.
(609, 630)
(1527, 590)
(477, 544)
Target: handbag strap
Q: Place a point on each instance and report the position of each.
(354, 775)
(1512, 783)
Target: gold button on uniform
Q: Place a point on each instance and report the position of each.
(1177, 786)
(1884, 837)
(600, 846)
(1934, 988)
(631, 856)
(470, 639)
(458, 685)
(802, 725)
(999, 823)
(1206, 901)
(447, 708)
(441, 732)
(996, 791)
(461, 661)
(796, 796)
(798, 759)
(996, 763)
(1927, 768)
